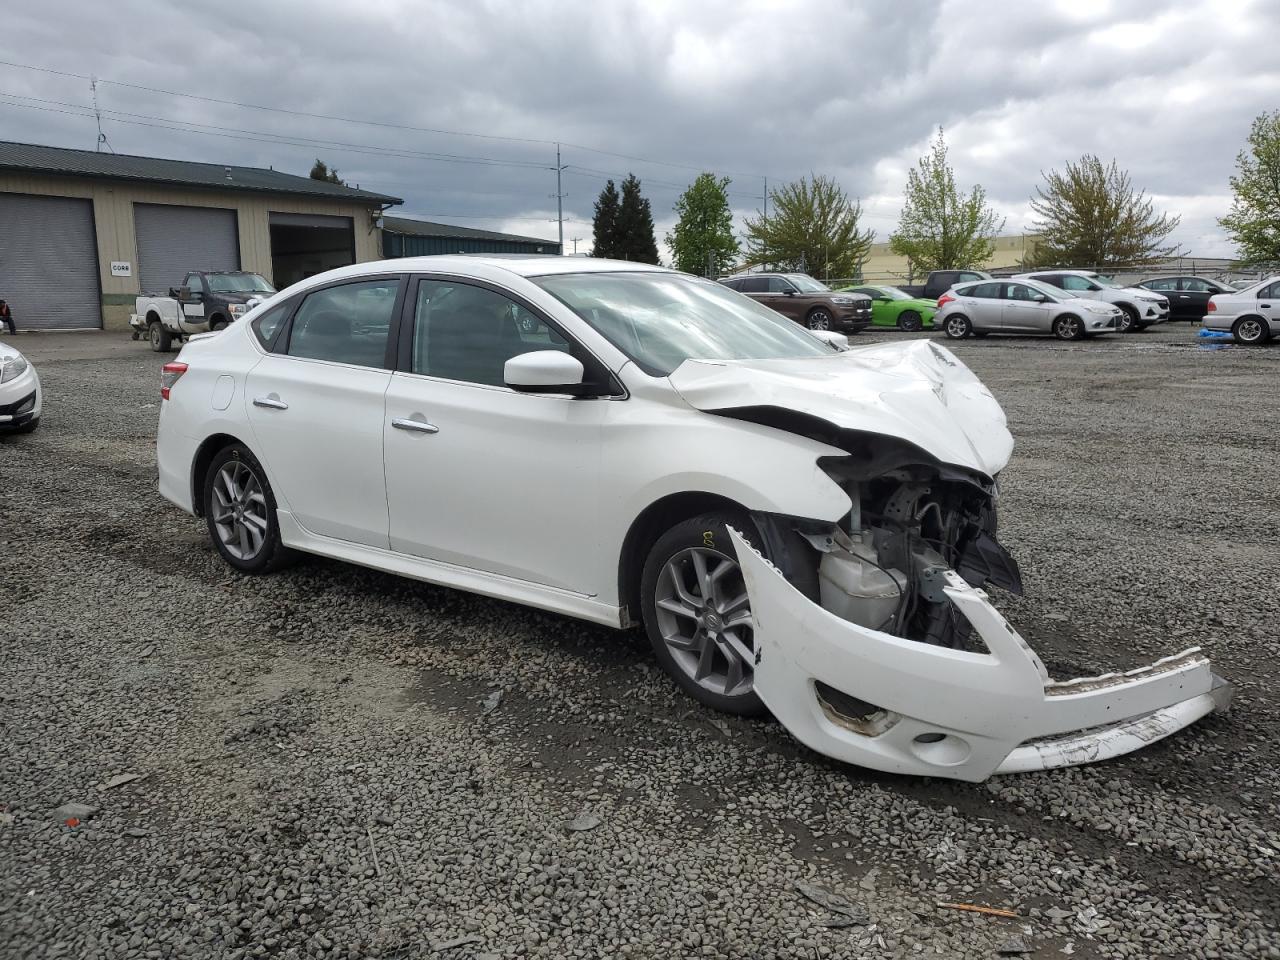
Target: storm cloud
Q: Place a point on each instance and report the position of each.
(751, 89)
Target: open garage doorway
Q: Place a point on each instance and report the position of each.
(304, 244)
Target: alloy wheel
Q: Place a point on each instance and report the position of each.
(957, 327)
(1250, 330)
(704, 617)
(819, 320)
(240, 510)
(1068, 328)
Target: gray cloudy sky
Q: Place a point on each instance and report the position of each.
(744, 87)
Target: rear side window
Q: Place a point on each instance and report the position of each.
(266, 325)
(969, 276)
(984, 291)
(1167, 283)
(755, 285)
(1196, 285)
(1269, 292)
(345, 324)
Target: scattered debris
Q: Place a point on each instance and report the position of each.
(978, 908)
(721, 725)
(373, 849)
(491, 703)
(72, 822)
(1069, 949)
(1057, 914)
(868, 881)
(137, 832)
(74, 811)
(846, 913)
(583, 821)
(146, 652)
(1090, 921)
(439, 945)
(120, 780)
(1013, 947)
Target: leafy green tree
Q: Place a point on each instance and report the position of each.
(635, 240)
(702, 240)
(1254, 220)
(321, 171)
(1091, 216)
(940, 228)
(604, 225)
(813, 226)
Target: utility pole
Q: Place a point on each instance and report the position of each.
(560, 198)
(574, 241)
(102, 137)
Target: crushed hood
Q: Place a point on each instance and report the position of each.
(916, 391)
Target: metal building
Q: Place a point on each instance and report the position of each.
(405, 237)
(82, 233)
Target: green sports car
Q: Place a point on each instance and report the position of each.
(890, 307)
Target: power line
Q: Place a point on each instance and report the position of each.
(374, 123)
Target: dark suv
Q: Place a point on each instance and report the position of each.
(805, 300)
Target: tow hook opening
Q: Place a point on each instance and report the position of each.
(852, 713)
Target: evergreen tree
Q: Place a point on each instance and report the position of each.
(604, 226)
(635, 225)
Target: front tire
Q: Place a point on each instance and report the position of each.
(819, 319)
(217, 324)
(1129, 322)
(910, 321)
(957, 327)
(1250, 331)
(1068, 327)
(240, 511)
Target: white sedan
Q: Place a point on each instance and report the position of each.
(20, 396)
(798, 528)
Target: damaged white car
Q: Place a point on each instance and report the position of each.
(799, 528)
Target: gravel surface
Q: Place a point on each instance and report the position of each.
(315, 764)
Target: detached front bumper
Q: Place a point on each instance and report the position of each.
(906, 707)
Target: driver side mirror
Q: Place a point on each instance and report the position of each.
(545, 371)
(1039, 298)
(185, 295)
(790, 291)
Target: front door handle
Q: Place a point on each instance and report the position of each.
(271, 403)
(416, 426)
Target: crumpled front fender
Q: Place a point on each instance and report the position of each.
(952, 713)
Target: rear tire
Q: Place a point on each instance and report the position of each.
(240, 512)
(161, 339)
(957, 326)
(1250, 331)
(910, 321)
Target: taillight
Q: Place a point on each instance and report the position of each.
(1212, 307)
(169, 375)
(945, 299)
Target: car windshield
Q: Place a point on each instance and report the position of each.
(238, 283)
(893, 293)
(1105, 281)
(806, 284)
(660, 320)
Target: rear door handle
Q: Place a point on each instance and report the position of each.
(415, 426)
(271, 403)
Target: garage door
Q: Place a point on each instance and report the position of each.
(173, 241)
(49, 262)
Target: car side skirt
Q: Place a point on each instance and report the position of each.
(442, 574)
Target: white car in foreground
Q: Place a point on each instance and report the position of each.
(20, 396)
(798, 529)
(1252, 314)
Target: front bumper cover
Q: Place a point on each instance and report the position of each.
(954, 713)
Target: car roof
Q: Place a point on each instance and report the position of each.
(1078, 273)
(524, 265)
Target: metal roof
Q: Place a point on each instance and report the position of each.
(61, 161)
(426, 228)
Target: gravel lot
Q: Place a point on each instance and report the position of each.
(324, 773)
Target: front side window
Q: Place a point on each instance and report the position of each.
(345, 324)
(779, 285)
(266, 325)
(806, 284)
(969, 276)
(468, 333)
(1270, 291)
(1020, 291)
(661, 319)
(194, 283)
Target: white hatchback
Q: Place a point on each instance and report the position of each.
(798, 528)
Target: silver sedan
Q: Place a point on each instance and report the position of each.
(1022, 306)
